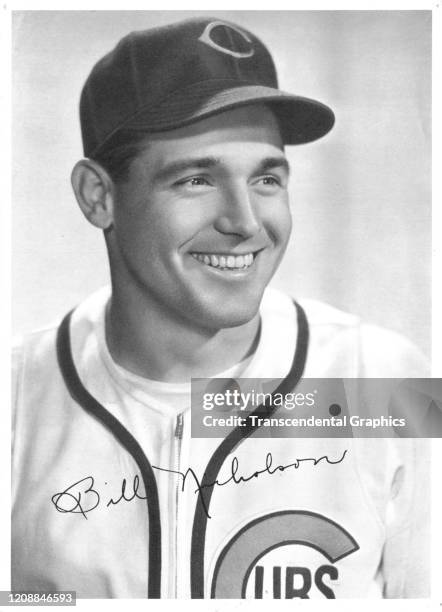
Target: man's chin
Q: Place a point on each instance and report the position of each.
(235, 320)
(227, 315)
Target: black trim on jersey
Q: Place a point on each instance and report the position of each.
(227, 446)
(82, 396)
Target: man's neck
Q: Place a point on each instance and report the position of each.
(146, 340)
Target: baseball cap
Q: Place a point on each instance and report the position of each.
(171, 76)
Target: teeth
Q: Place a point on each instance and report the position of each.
(231, 262)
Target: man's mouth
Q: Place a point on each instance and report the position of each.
(225, 262)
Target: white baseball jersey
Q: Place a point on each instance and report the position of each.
(113, 498)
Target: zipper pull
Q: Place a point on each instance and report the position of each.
(179, 426)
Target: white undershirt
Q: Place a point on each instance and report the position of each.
(174, 397)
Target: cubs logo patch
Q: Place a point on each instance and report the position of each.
(282, 555)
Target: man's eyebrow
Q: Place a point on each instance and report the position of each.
(273, 163)
(199, 163)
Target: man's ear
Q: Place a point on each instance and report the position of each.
(95, 192)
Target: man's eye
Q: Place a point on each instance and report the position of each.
(194, 181)
(269, 180)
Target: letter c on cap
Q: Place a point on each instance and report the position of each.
(206, 39)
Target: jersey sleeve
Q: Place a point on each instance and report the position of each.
(405, 564)
(406, 557)
(386, 354)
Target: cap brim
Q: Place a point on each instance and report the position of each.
(301, 119)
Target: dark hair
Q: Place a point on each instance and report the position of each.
(118, 153)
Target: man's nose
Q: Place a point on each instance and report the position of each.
(237, 214)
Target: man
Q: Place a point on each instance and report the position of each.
(184, 130)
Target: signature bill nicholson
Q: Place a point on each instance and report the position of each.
(82, 496)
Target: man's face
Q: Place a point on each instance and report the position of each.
(203, 220)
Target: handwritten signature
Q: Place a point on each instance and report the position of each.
(82, 497)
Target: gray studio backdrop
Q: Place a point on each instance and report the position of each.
(360, 197)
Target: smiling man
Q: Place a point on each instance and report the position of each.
(184, 130)
(194, 235)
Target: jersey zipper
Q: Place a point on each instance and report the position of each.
(179, 426)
